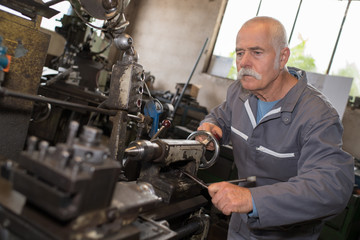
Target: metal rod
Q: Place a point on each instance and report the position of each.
(134, 117)
(258, 10)
(52, 2)
(187, 83)
(193, 226)
(9, 93)
(295, 20)
(248, 179)
(205, 185)
(338, 37)
(195, 179)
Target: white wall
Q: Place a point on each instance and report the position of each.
(169, 35)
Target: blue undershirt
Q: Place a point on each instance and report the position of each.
(263, 108)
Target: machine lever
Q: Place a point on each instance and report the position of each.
(248, 179)
(205, 185)
(164, 125)
(195, 179)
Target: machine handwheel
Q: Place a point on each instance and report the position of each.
(209, 138)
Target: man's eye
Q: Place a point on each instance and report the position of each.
(239, 54)
(257, 52)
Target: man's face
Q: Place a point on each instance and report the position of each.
(256, 59)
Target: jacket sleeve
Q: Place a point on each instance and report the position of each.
(322, 187)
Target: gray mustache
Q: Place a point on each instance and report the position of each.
(248, 72)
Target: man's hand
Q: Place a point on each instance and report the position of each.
(213, 129)
(228, 198)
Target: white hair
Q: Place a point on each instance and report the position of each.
(277, 30)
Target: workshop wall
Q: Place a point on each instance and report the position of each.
(169, 35)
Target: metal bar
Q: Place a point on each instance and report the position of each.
(52, 2)
(295, 20)
(195, 179)
(248, 179)
(338, 37)
(258, 10)
(187, 83)
(9, 93)
(186, 231)
(205, 185)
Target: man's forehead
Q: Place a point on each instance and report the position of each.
(253, 39)
(254, 48)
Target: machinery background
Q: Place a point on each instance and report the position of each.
(85, 162)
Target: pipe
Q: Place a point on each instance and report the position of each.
(258, 10)
(9, 93)
(295, 20)
(187, 83)
(338, 37)
(52, 2)
(194, 226)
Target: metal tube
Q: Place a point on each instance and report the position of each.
(198, 181)
(187, 83)
(194, 226)
(9, 93)
(52, 2)
(338, 37)
(296, 17)
(258, 10)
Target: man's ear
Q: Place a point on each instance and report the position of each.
(284, 57)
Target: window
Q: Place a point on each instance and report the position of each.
(346, 60)
(50, 24)
(313, 28)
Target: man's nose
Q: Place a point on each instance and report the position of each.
(244, 61)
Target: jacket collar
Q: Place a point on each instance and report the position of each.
(291, 98)
(288, 103)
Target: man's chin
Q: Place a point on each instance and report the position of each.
(248, 83)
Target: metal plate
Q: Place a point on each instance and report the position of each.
(20, 36)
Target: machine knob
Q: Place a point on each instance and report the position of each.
(210, 138)
(166, 123)
(123, 41)
(109, 4)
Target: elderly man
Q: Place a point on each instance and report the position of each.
(284, 132)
